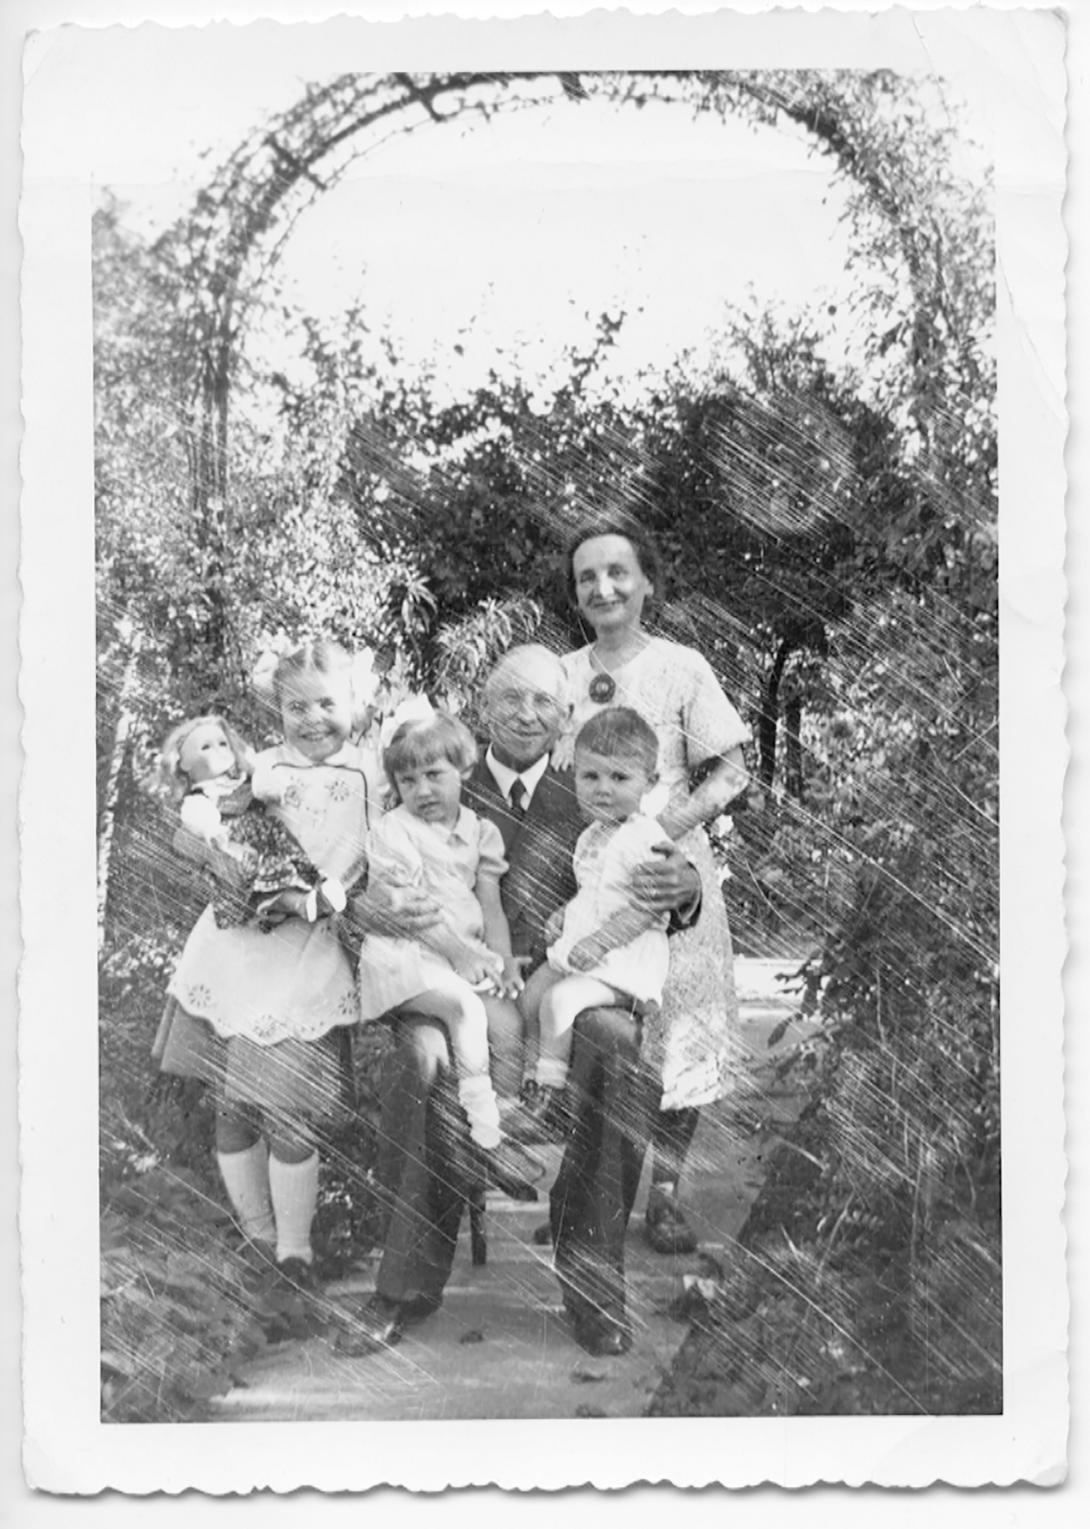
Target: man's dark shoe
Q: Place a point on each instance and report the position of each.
(418, 1308)
(665, 1228)
(379, 1325)
(543, 1234)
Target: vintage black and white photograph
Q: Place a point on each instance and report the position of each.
(546, 724)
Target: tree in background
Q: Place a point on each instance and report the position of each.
(832, 541)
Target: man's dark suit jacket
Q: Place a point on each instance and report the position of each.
(539, 850)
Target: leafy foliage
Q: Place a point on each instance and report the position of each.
(831, 543)
(177, 1316)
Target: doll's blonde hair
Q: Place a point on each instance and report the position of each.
(170, 779)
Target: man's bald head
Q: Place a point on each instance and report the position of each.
(529, 663)
(525, 704)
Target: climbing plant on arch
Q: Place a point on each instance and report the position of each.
(907, 958)
(909, 210)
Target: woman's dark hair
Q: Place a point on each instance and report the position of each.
(647, 554)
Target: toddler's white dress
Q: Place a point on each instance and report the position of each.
(404, 851)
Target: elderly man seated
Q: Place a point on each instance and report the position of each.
(423, 1159)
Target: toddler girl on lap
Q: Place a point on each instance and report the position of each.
(430, 840)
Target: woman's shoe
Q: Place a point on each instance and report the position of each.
(665, 1228)
(601, 1337)
(512, 1169)
(379, 1325)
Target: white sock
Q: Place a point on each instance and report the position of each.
(551, 1072)
(246, 1178)
(294, 1189)
(477, 1097)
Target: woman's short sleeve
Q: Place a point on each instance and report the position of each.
(491, 860)
(712, 725)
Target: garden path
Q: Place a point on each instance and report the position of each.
(499, 1347)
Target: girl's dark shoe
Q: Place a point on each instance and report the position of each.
(256, 1260)
(665, 1228)
(512, 1169)
(543, 1234)
(300, 1275)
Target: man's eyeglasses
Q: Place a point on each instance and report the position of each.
(505, 703)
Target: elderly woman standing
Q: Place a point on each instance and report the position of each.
(613, 572)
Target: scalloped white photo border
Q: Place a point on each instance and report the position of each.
(1017, 60)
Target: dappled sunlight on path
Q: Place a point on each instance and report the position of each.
(500, 1345)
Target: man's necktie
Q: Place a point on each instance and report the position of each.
(517, 796)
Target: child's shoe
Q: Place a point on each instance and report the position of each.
(544, 1114)
(256, 1259)
(300, 1275)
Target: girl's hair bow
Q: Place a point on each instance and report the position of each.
(414, 708)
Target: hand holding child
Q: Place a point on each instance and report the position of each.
(666, 883)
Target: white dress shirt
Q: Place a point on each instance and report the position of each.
(506, 777)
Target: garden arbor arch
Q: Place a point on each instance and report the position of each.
(215, 257)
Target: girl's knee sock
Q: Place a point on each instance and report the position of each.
(246, 1178)
(477, 1097)
(294, 1189)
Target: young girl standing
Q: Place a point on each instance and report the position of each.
(430, 840)
(274, 1005)
(206, 770)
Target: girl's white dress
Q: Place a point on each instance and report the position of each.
(605, 858)
(675, 690)
(444, 862)
(292, 981)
